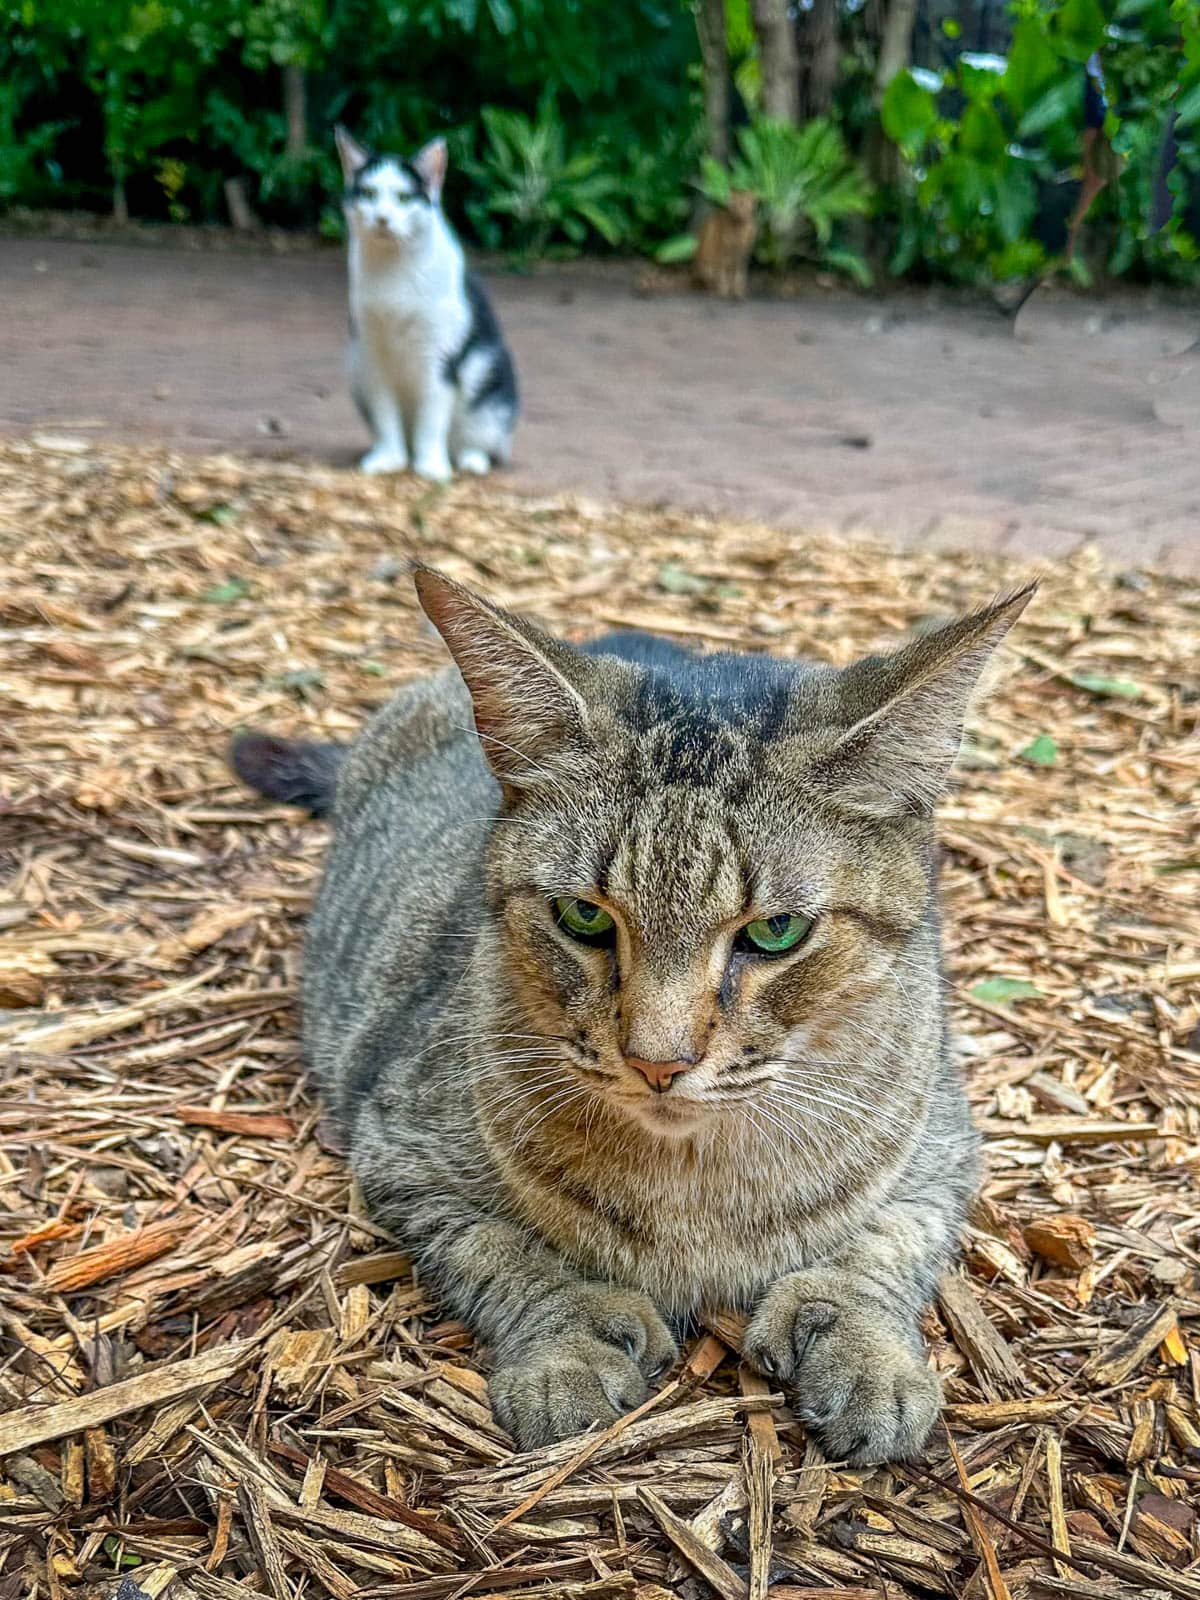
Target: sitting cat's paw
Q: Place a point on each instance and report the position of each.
(384, 458)
(434, 467)
(590, 1366)
(859, 1378)
(477, 462)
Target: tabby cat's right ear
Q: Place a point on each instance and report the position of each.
(351, 154)
(524, 685)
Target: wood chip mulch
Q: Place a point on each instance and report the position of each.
(218, 1379)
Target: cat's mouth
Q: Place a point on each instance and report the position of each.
(669, 1116)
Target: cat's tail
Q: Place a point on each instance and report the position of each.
(296, 772)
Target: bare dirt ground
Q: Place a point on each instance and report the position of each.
(922, 417)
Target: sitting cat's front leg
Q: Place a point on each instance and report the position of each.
(585, 1359)
(381, 409)
(566, 1352)
(431, 430)
(844, 1335)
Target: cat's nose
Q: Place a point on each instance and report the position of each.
(661, 1074)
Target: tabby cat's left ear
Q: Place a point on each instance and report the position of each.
(431, 162)
(524, 685)
(906, 714)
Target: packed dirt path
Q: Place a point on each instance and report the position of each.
(921, 417)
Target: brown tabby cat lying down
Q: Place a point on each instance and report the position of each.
(648, 1016)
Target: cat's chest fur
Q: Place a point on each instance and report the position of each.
(410, 314)
(691, 1225)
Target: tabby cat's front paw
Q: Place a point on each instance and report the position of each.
(592, 1367)
(858, 1375)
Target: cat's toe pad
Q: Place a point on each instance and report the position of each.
(858, 1377)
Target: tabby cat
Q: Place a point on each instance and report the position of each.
(629, 1000)
(723, 248)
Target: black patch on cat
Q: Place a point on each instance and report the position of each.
(422, 193)
(354, 190)
(498, 383)
(295, 772)
(701, 694)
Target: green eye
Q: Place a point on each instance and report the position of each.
(583, 920)
(775, 936)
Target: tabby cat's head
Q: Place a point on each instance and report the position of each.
(390, 201)
(708, 868)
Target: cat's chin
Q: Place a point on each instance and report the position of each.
(665, 1117)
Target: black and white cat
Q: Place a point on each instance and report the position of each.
(428, 366)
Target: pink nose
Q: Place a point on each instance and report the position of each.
(659, 1074)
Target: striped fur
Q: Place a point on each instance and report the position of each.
(813, 1167)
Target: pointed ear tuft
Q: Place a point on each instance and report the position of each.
(524, 685)
(351, 154)
(906, 713)
(431, 162)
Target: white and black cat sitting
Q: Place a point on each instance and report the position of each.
(429, 369)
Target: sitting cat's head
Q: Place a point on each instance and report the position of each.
(712, 873)
(390, 201)
(741, 206)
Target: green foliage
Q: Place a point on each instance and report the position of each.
(1042, 751)
(991, 144)
(578, 125)
(549, 193)
(1004, 991)
(805, 183)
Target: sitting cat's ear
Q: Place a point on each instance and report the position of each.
(524, 685)
(351, 154)
(430, 162)
(906, 713)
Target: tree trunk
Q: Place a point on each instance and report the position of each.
(241, 213)
(714, 53)
(895, 49)
(777, 59)
(895, 53)
(296, 111)
(818, 49)
(120, 204)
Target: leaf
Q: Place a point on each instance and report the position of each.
(1003, 991)
(301, 681)
(982, 134)
(1016, 202)
(1041, 752)
(376, 669)
(1077, 28)
(1060, 103)
(219, 514)
(1107, 688)
(1032, 66)
(678, 580)
(115, 1551)
(908, 111)
(223, 594)
(851, 263)
(681, 248)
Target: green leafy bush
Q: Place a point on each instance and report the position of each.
(543, 192)
(579, 125)
(994, 147)
(805, 183)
